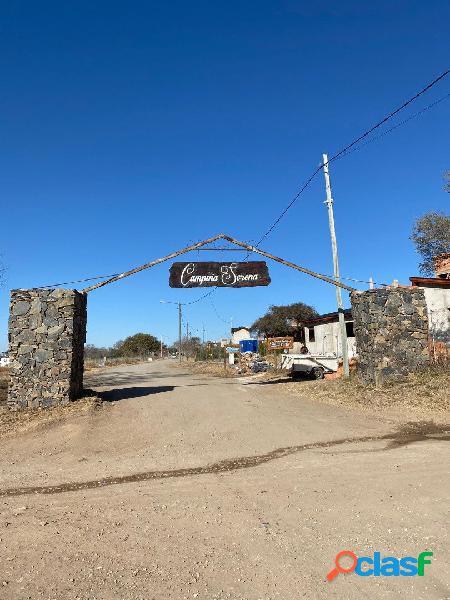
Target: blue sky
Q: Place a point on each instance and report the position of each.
(130, 130)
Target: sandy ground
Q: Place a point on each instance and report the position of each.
(182, 486)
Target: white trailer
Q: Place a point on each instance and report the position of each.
(315, 365)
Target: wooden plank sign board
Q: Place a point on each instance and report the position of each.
(280, 343)
(218, 274)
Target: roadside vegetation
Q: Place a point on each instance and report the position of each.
(283, 320)
(424, 393)
(21, 421)
(431, 237)
(4, 378)
(133, 349)
(137, 345)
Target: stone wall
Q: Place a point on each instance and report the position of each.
(47, 331)
(391, 331)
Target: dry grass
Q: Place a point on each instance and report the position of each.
(4, 379)
(425, 393)
(21, 421)
(215, 369)
(91, 363)
(12, 422)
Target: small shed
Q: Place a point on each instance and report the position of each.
(322, 335)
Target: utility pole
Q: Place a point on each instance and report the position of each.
(329, 203)
(188, 350)
(203, 334)
(179, 304)
(161, 346)
(179, 332)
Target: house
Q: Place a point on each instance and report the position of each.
(321, 335)
(437, 297)
(238, 334)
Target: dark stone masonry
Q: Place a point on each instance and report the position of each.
(47, 331)
(391, 331)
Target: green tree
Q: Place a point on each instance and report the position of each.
(283, 320)
(431, 236)
(139, 344)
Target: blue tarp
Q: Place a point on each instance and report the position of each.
(248, 345)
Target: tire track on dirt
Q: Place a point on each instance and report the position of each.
(408, 434)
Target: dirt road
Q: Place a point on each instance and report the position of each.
(183, 486)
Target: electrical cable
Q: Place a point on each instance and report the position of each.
(202, 297)
(217, 314)
(351, 147)
(397, 125)
(347, 148)
(54, 285)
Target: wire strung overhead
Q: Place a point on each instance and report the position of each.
(400, 124)
(53, 285)
(217, 314)
(351, 147)
(345, 150)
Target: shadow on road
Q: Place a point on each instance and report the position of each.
(133, 392)
(282, 379)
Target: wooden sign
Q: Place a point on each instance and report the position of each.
(280, 343)
(218, 274)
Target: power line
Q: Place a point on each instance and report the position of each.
(41, 287)
(202, 297)
(358, 280)
(348, 147)
(400, 124)
(351, 147)
(217, 314)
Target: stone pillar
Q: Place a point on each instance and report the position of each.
(391, 331)
(47, 331)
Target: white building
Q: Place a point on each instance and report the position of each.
(321, 335)
(437, 298)
(238, 334)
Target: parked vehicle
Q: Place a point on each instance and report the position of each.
(313, 365)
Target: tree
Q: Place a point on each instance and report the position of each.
(139, 344)
(431, 236)
(283, 320)
(189, 346)
(94, 352)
